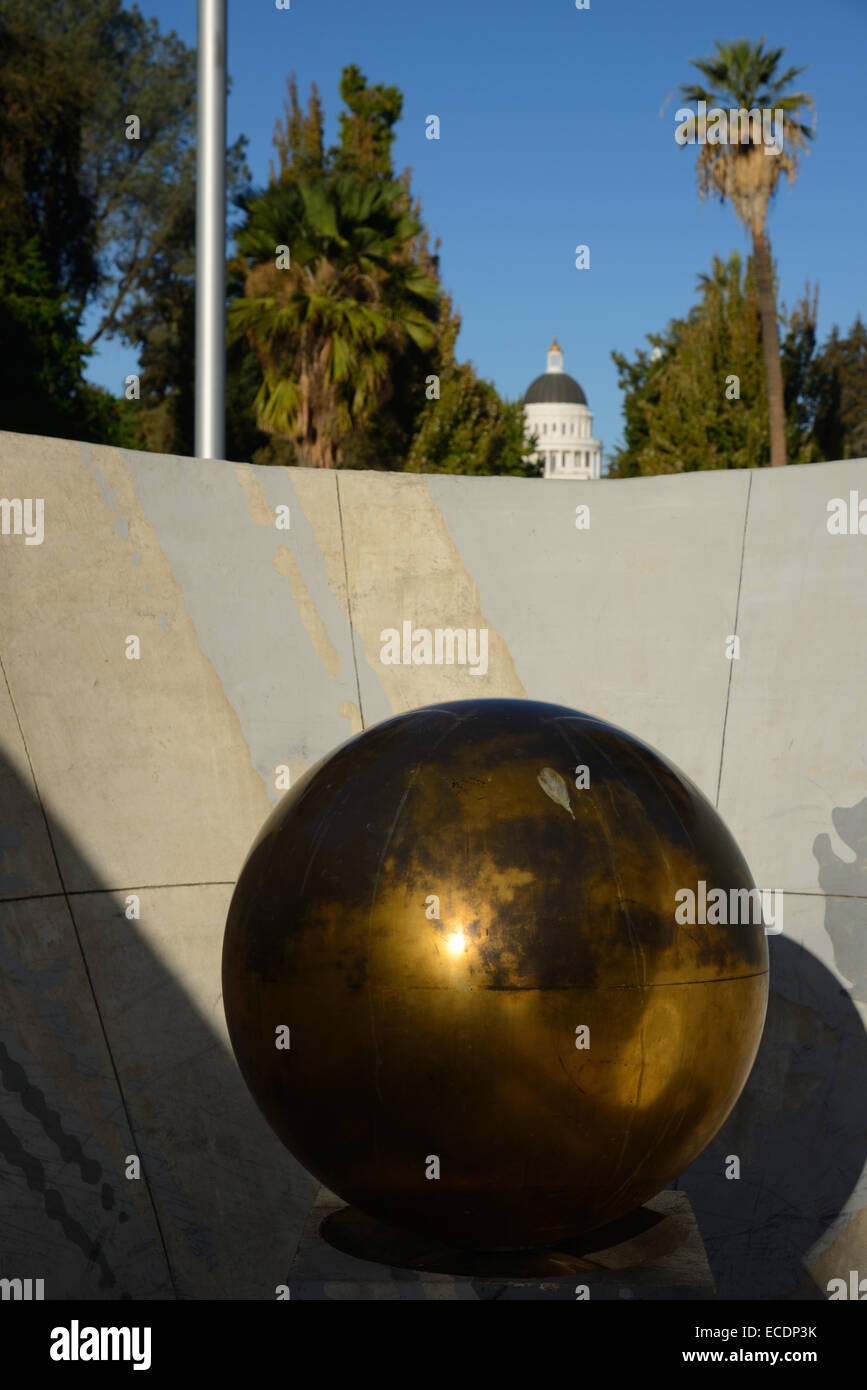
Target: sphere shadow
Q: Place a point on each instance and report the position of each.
(799, 1130)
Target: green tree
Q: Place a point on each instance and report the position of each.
(368, 407)
(682, 410)
(114, 215)
(298, 137)
(364, 150)
(365, 128)
(42, 385)
(366, 125)
(161, 319)
(839, 391)
(47, 243)
(470, 429)
(43, 193)
(321, 324)
(744, 76)
(799, 376)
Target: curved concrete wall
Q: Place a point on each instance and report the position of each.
(260, 648)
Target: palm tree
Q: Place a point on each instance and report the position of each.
(744, 77)
(326, 328)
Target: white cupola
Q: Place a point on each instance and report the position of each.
(556, 411)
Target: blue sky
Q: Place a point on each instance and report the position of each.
(551, 135)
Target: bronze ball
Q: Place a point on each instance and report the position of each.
(456, 982)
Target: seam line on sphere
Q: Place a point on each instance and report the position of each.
(586, 989)
(716, 980)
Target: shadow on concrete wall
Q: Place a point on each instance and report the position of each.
(102, 1057)
(799, 1130)
(84, 1081)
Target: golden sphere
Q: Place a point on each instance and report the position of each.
(459, 985)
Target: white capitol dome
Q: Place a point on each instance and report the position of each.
(555, 408)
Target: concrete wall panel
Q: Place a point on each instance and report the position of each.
(628, 619)
(115, 742)
(796, 736)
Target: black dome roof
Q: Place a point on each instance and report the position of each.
(554, 388)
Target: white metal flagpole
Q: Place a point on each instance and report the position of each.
(210, 420)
